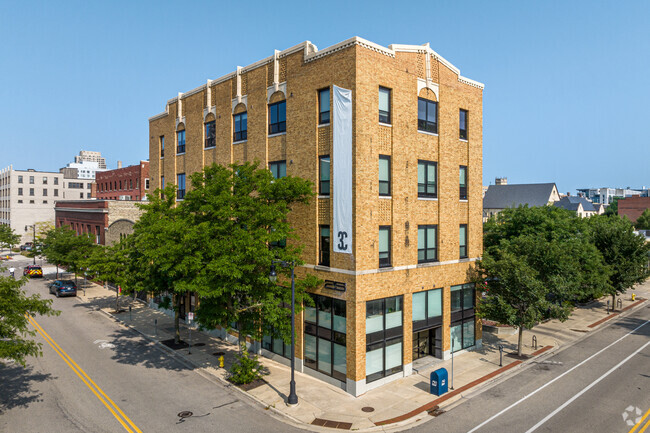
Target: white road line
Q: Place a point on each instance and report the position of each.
(556, 379)
(568, 402)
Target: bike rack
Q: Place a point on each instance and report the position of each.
(534, 344)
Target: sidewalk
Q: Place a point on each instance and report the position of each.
(398, 403)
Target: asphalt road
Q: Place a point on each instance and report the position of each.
(128, 385)
(596, 380)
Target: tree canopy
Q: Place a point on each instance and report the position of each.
(15, 343)
(8, 237)
(63, 247)
(220, 242)
(643, 222)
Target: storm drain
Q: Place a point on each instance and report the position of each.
(367, 409)
(185, 414)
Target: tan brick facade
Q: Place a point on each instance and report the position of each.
(409, 71)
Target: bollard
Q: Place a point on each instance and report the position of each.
(155, 327)
(619, 303)
(608, 306)
(221, 361)
(534, 343)
(500, 355)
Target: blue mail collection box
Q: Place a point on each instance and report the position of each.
(438, 381)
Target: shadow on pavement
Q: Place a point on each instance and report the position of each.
(133, 349)
(17, 386)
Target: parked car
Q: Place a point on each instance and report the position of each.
(28, 246)
(33, 271)
(63, 288)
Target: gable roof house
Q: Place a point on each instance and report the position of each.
(499, 197)
(580, 205)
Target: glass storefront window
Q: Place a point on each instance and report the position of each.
(338, 308)
(456, 336)
(419, 306)
(324, 312)
(325, 339)
(393, 356)
(310, 351)
(434, 303)
(324, 356)
(310, 314)
(393, 312)
(384, 325)
(468, 333)
(339, 360)
(374, 316)
(456, 298)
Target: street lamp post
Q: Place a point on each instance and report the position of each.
(273, 276)
(34, 244)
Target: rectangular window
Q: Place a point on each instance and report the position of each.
(146, 183)
(324, 246)
(162, 186)
(210, 134)
(56, 181)
(44, 180)
(181, 141)
(324, 173)
(44, 192)
(463, 117)
(427, 243)
(161, 140)
(31, 192)
(81, 195)
(241, 126)
(56, 193)
(277, 117)
(384, 105)
(427, 116)
(462, 316)
(463, 182)
(324, 106)
(97, 235)
(325, 339)
(20, 191)
(384, 328)
(427, 309)
(181, 186)
(463, 240)
(31, 180)
(427, 185)
(278, 169)
(20, 179)
(384, 247)
(384, 175)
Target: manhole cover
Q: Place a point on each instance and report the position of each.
(185, 414)
(219, 353)
(368, 409)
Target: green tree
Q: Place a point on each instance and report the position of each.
(643, 222)
(8, 238)
(240, 217)
(63, 247)
(15, 306)
(624, 251)
(169, 251)
(537, 262)
(111, 264)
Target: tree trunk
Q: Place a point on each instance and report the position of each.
(520, 343)
(614, 301)
(177, 317)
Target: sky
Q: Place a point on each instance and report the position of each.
(566, 82)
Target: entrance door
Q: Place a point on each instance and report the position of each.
(427, 343)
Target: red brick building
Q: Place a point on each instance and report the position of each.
(107, 221)
(633, 207)
(128, 183)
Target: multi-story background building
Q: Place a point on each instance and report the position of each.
(605, 195)
(28, 196)
(87, 163)
(391, 137)
(123, 183)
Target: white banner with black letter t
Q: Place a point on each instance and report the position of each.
(342, 170)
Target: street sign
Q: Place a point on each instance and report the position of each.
(190, 317)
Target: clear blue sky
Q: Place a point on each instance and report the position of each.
(566, 96)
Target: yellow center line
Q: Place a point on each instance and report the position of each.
(637, 425)
(86, 379)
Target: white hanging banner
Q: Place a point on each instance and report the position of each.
(342, 170)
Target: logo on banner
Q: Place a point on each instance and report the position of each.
(342, 244)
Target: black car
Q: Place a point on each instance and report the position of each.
(63, 288)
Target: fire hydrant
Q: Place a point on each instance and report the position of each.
(633, 296)
(221, 361)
